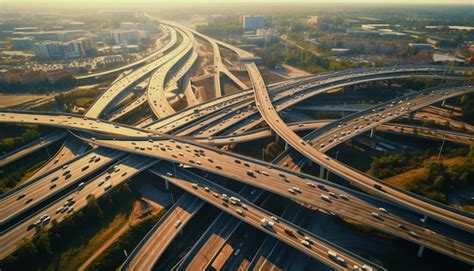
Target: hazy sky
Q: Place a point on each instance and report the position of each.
(467, 2)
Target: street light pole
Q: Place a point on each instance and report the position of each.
(441, 149)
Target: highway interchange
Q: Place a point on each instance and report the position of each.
(190, 137)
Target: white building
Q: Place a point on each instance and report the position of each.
(252, 22)
(128, 36)
(74, 49)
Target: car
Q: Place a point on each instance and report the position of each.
(85, 167)
(52, 186)
(292, 191)
(383, 210)
(290, 232)
(305, 243)
(274, 218)
(177, 224)
(67, 176)
(376, 215)
(55, 178)
(20, 196)
(325, 198)
(403, 227)
(195, 185)
(108, 187)
(240, 212)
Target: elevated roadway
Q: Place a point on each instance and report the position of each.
(31, 147)
(400, 197)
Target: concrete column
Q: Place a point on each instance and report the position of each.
(412, 115)
(327, 174)
(420, 251)
(167, 185)
(277, 138)
(321, 172)
(372, 132)
(443, 103)
(286, 146)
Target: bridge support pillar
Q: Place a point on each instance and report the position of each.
(321, 172)
(420, 251)
(412, 115)
(277, 138)
(286, 146)
(167, 185)
(443, 103)
(372, 132)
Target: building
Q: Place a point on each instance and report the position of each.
(75, 25)
(49, 49)
(127, 36)
(87, 44)
(73, 49)
(340, 51)
(25, 29)
(25, 43)
(252, 22)
(59, 35)
(421, 46)
(129, 25)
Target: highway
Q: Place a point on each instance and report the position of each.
(395, 128)
(224, 164)
(117, 88)
(398, 196)
(124, 169)
(70, 121)
(156, 89)
(263, 187)
(71, 148)
(152, 56)
(152, 246)
(317, 247)
(31, 147)
(236, 112)
(24, 198)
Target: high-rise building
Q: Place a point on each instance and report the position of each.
(22, 43)
(252, 22)
(127, 36)
(49, 49)
(73, 49)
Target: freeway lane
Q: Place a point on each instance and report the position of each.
(23, 151)
(152, 246)
(156, 89)
(317, 248)
(157, 53)
(104, 100)
(113, 176)
(19, 201)
(359, 207)
(405, 129)
(402, 198)
(70, 121)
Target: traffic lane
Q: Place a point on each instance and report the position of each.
(12, 237)
(354, 208)
(54, 182)
(253, 216)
